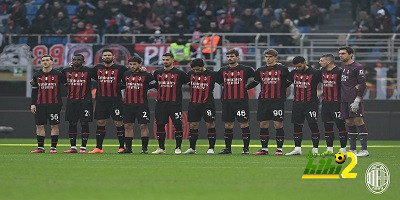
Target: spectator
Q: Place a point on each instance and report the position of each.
(84, 31)
(141, 10)
(259, 28)
(91, 18)
(179, 18)
(168, 29)
(125, 39)
(58, 7)
(81, 10)
(207, 18)
(61, 24)
(280, 40)
(45, 10)
(382, 23)
(40, 25)
(138, 28)
(153, 22)
(4, 7)
(213, 27)
(308, 14)
(225, 22)
(18, 15)
(103, 12)
(360, 5)
(161, 9)
(293, 30)
(175, 6)
(364, 23)
(12, 27)
(126, 8)
(111, 28)
(292, 9)
(156, 39)
(265, 17)
(233, 9)
(202, 8)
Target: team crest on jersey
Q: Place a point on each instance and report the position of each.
(361, 72)
(269, 73)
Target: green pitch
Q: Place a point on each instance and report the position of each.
(114, 176)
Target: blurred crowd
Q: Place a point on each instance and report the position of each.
(377, 16)
(161, 16)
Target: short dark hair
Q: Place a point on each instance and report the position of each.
(107, 50)
(169, 54)
(46, 55)
(198, 62)
(80, 55)
(271, 52)
(232, 51)
(135, 59)
(348, 49)
(329, 56)
(298, 59)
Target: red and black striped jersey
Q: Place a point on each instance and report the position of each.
(305, 84)
(109, 81)
(78, 81)
(234, 81)
(273, 81)
(169, 84)
(136, 86)
(331, 84)
(46, 87)
(202, 86)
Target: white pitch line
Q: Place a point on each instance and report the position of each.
(203, 145)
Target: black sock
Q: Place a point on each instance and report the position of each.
(128, 142)
(342, 134)
(121, 135)
(362, 130)
(40, 141)
(298, 135)
(364, 141)
(161, 135)
(145, 143)
(54, 140)
(315, 135)
(193, 136)
(329, 135)
(100, 134)
(264, 137)
(211, 137)
(161, 139)
(228, 136)
(178, 135)
(280, 137)
(85, 133)
(72, 132)
(246, 137)
(353, 137)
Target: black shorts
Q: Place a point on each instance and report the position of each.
(165, 110)
(105, 109)
(345, 111)
(46, 113)
(79, 111)
(205, 110)
(238, 110)
(139, 112)
(270, 111)
(303, 111)
(330, 112)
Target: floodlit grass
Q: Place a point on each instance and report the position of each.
(113, 176)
